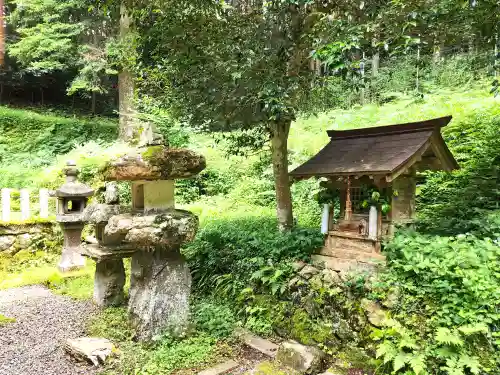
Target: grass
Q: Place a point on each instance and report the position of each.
(180, 356)
(308, 134)
(6, 320)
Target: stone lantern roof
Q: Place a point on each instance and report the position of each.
(154, 162)
(72, 188)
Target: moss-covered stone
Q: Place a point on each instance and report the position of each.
(152, 153)
(169, 229)
(271, 368)
(154, 163)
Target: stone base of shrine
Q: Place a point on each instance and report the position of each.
(344, 251)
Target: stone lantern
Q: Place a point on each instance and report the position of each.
(72, 198)
(151, 232)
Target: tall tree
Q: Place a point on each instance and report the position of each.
(243, 65)
(126, 85)
(53, 35)
(2, 34)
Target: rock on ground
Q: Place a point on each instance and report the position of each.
(33, 344)
(92, 349)
(303, 359)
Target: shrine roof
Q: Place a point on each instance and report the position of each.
(385, 150)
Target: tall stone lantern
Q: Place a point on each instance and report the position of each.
(72, 199)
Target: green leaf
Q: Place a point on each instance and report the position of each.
(417, 364)
(474, 328)
(400, 361)
(445, 336)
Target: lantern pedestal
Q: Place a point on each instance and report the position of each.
(109, 282)
(71, 259)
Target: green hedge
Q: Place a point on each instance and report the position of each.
(30, 141)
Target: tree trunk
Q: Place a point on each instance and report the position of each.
(375, 63)
(279, 147)
(126, 87)
(2, 33)
(93, 105)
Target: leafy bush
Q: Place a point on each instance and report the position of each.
(209, 182)
(227, 252)
(216, 319)
(32, 140)
(446, 319)
(458, 202)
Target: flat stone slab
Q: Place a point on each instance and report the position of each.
(92, 349)
(99, 253)
(264, 346)
(220, 369)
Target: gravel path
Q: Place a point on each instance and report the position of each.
(33, 344)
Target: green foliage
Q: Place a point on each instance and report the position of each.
(168, 354)
(214, 318)
(166, 357)
(47, 39)
(227, 252)
(111, 323)
(171, 355)
(208, 183)
(79, 286)
(447, 313)
(31, 141)
(458, 203)
(151, 111)
(64, 36)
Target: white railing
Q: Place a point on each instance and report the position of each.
(26, 213)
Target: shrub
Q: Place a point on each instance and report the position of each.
(227, 252)
(208, 183)
(457, 203)
(447, 317)
(32, 140)
(214, 318)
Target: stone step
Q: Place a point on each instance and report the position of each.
(221, 368)
(341, 253)
(351, 243)
(264, 346)
(343, 265)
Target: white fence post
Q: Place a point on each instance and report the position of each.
(5, 204)
(25, 204)
(44, 203)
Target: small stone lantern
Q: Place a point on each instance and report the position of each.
(72, 198)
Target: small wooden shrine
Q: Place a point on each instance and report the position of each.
(383, 159)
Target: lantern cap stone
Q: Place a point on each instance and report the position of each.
(154, 162)
(72, 188)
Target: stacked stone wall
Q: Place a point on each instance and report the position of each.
(27, 236)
